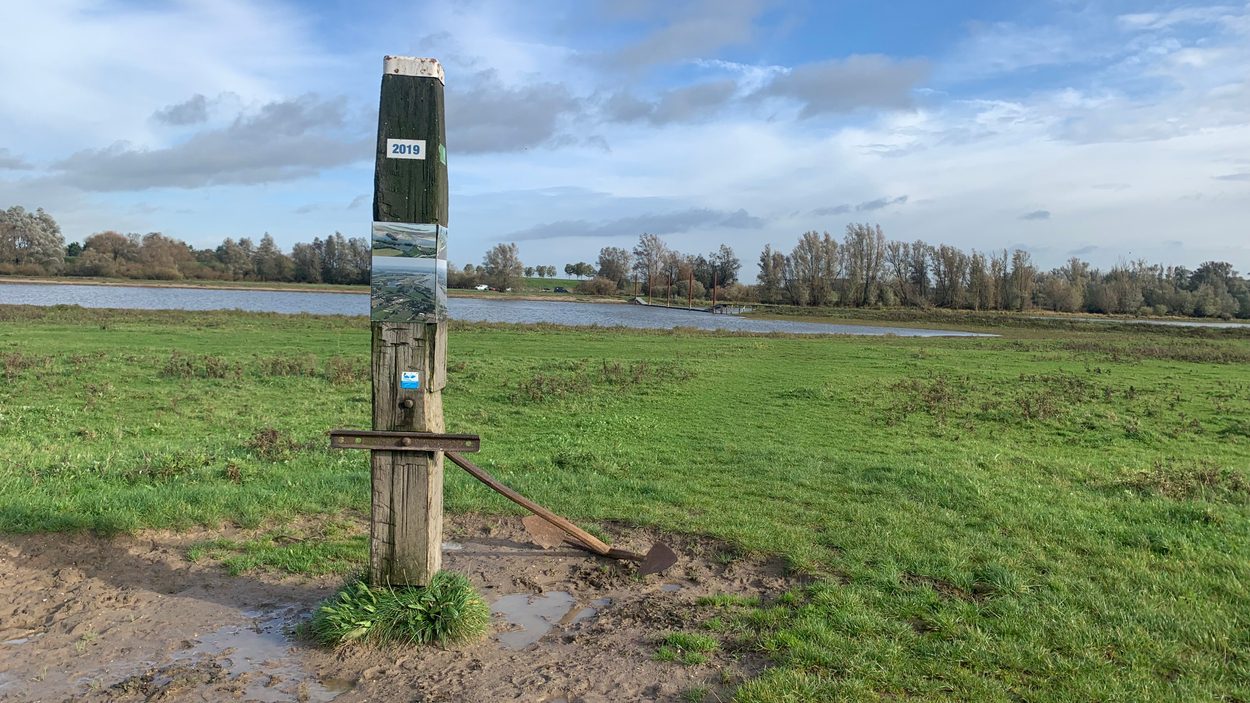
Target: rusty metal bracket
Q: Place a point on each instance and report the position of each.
(404, 441)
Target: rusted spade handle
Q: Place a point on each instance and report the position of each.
(595, 544)
(656, 560)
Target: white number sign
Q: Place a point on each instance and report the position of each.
(405, 148)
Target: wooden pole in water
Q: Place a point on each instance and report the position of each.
(410, 187)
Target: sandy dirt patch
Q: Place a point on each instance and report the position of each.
(85, 618)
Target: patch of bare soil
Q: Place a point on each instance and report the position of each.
(85, 618)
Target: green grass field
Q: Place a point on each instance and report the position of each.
(1061, 513)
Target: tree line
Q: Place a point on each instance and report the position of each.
(31, 244)
(651, 267)
(861, 269)
(865, 269)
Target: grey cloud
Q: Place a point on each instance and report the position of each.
(624, 107)
(689, 30)
(655, 223)
(488, 116)
(192, 111)
(832, 210)
(13, 162)
(686, 104)
(1036, 215)
(286, 140)
(880, 203)
(1083, 251)
(845, 85)
(1233, 177)
(741, 219)
(866, 206)
(358, 201)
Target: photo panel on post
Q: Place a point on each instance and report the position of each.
(409, 277)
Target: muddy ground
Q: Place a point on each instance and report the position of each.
(85, 618)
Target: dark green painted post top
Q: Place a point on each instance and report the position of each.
(408, 189)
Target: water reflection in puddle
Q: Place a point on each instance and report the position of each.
(20, 640)
(537, 614)
(263, 652)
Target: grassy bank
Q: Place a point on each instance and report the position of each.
(1061, 513)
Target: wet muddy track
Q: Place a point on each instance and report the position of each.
(131, 619)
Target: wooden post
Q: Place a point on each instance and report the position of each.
(410, 186)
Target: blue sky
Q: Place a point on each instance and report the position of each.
(1109, 130)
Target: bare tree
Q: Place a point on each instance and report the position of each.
(864, 251)
(1022, 280)
(950, 271)
(650, 255)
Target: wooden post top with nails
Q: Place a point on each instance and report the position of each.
(409, 358)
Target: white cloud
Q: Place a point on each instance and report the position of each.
(78, 73)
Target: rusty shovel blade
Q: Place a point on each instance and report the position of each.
(657, 559)
(543, 533)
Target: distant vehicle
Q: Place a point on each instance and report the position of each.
(481, 286)
(546, 290)
(561, 289)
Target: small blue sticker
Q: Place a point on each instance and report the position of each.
(409, 380)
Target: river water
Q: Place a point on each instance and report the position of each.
(469, 309)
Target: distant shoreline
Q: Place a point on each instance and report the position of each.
(852, 316)
(269, 287)
(295, 288)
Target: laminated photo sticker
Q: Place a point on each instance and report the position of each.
(409, 276)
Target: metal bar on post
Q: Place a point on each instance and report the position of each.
(408, 291)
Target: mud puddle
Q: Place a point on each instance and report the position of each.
(129, 619)
(534, 616)
(260, 656)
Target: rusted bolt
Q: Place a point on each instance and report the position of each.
(408, 402)
(406, 441)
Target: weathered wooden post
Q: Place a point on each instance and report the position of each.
(408, 299)
(409, 289)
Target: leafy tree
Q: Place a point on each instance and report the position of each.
(502, 266)
(614, 264)
(271, 264)
(529, 271)
(306, 263)
(597, 286)
(726, 265)
(772, 270)
(30, 242)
